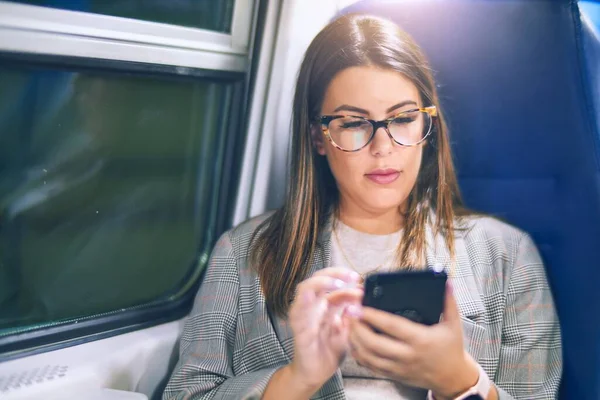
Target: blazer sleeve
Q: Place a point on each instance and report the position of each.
(208, 342)
(530, 362)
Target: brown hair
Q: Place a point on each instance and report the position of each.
(285, 243)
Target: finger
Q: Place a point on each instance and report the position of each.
(334, 331)
(320, 285)
(304, 301)
(374, 361)
(397, 327)
(327, 324)
(339, 273)
(339, 297)
(339, 301)
(338, 341)
(353, 311)
(306, 314)
(312, 324)
(451, 314)
(363, 337)
(378, 365)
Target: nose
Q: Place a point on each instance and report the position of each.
(382, 144)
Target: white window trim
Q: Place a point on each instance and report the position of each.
(241, 25)
(42, 30)
(265, 86)
(289, 28)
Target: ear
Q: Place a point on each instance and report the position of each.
(318, 139)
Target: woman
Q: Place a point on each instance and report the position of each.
(373, 188)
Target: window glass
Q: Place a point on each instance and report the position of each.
(591, 52)
(591, 9)
(106, 186)
(213, 15)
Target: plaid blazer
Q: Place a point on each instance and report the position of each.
(231, 345)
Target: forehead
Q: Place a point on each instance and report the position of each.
(371, 88)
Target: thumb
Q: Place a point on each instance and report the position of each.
(451, 313)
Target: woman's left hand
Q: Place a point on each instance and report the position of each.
(430, 357)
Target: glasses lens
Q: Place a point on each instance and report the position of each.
(350, 133)
(410, 127)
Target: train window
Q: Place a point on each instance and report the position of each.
(591, 10)
(198, 34)
(211, 15)
(107, 188)
(118, 146)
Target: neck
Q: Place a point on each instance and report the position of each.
(374, 223)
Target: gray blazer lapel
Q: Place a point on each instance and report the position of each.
(465, 289)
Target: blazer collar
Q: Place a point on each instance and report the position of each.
(460, 272)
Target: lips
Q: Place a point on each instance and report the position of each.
(383, 176)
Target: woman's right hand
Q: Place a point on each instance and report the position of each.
(320, 335)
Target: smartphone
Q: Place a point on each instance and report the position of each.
(416, 295)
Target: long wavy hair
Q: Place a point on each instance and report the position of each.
(285, 243)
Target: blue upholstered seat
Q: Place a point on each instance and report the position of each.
(519, 82)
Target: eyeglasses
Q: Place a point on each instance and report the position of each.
(352, 133)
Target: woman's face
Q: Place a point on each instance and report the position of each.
(378, 178)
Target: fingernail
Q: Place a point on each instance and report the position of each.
(338, 284)
(354, 311)
(355, 276)
(337, 321)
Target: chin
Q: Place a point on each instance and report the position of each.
(383, 205)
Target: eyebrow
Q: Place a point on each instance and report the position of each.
(346, 107)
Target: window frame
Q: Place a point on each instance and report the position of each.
(43, 30)
(218, 57)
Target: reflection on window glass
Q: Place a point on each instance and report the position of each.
(106, 183)
(215, 15)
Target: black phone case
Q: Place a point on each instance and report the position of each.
(416, 295)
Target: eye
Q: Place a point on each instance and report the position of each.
(348, 124)
(351, 124)
(404, 119)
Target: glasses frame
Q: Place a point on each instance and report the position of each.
(325, 120)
